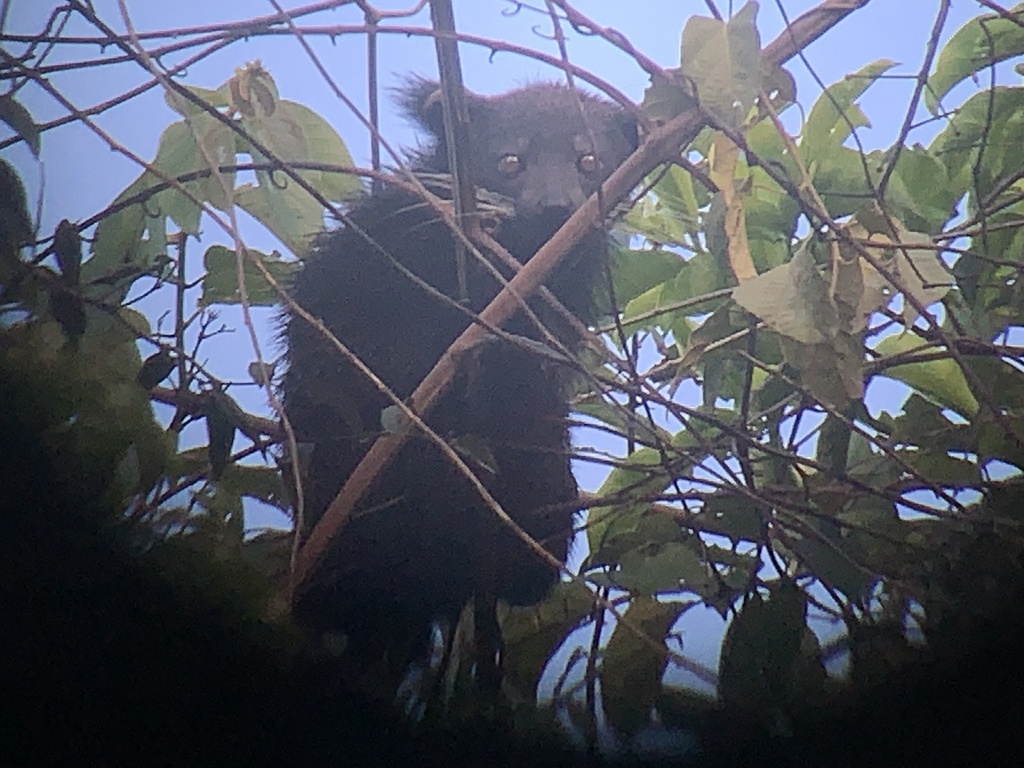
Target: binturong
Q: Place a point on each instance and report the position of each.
(422, 543)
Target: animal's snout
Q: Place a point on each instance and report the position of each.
(550, 185)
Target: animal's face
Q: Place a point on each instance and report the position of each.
(545, 149)
(544, 146)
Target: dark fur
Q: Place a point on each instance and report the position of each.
(428, 542)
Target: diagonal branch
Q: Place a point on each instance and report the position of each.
(661, 145)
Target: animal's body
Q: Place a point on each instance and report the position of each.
(423, 542)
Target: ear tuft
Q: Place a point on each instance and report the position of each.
(421, 100)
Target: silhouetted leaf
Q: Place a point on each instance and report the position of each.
(156, 368)
(19, 120)
(220, 429)
(631, 670)
(532, 634)
(220, 284)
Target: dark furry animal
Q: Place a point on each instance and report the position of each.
(422, 542)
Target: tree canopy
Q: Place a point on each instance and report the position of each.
(808, 391)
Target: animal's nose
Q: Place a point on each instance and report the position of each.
(550, 185)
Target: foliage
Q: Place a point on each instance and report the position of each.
(783, 274)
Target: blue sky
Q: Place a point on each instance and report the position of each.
(82, 176)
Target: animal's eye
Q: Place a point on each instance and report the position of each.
(588, 163)
(510, 165)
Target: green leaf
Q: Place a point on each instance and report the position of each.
(735, 569)
(669, 214)
(104, 413)
(220, 430)
(130, 242)
(834, 445)
(67, 247)
(156, 368)
(117, 256)
(771, 217)
(532, 634)
(646, 305)
(734, 516)
(684, 709)
(943, 469)
(631, 670)
(763, 651)
(941, 380)
(637, 271)
(264, 484)
(931, 199)
(995, 443)
(921, 421)
(225, 509)
(291, 213)
(980, 146)
(723, 322)
(184, 149)
(215, 98)
(835, 560)
(294, 133)
(189, 462)
(832, 373)
(630, 530)
(792, 299)
(665, 99)
(845, 178)
(69, 311)
(675, 193)
(697, 276)
(661, 568)
(15, 222)
(644, 472)
(220, 283)
(724, 61)
(181, 154)
(322, 145)
(835, 114)
(868, 464)
(269, 553)
(20, 121)
(979, 44)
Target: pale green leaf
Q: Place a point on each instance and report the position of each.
(940, 380)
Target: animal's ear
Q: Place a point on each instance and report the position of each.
(422, 100)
